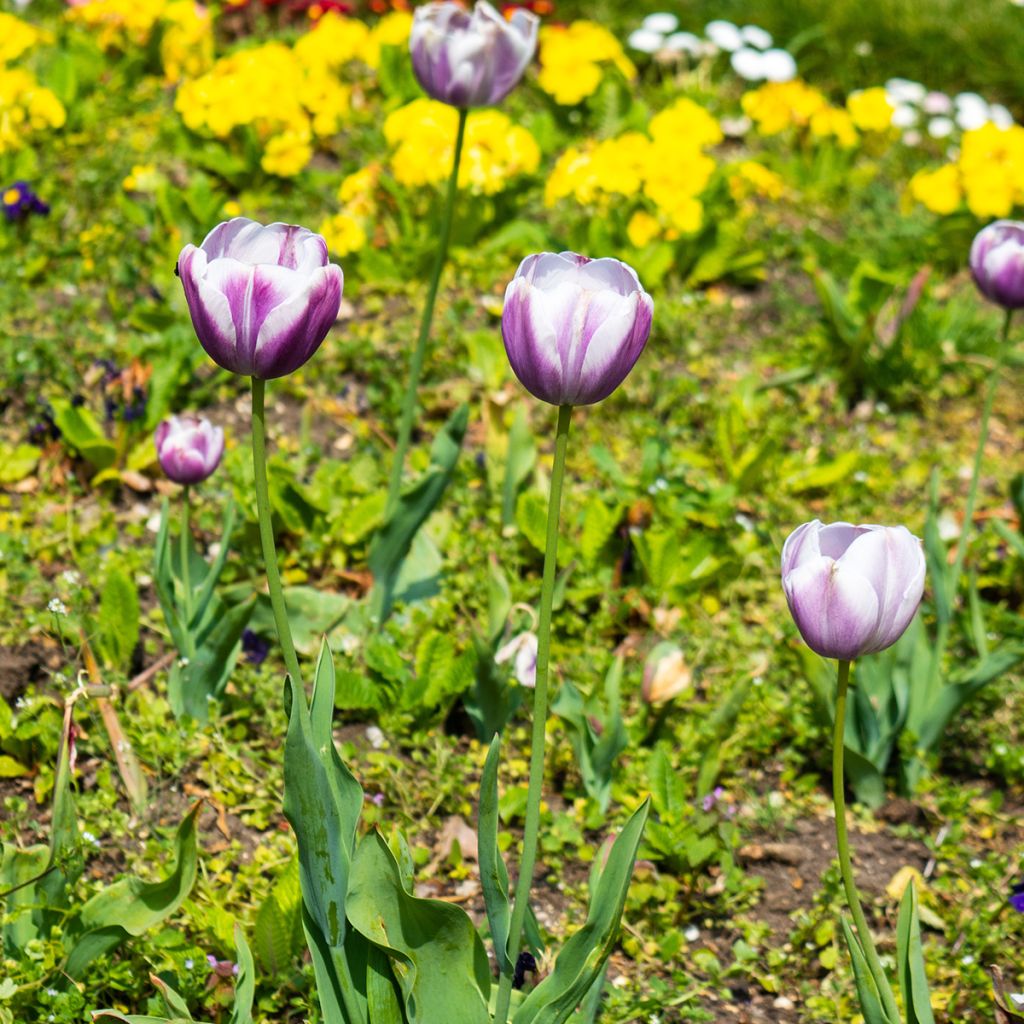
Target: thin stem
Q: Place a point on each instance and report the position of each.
(186, 580)
(963, 541)
(540, 714)
(843, 844)
(259, 464)
(420, 352)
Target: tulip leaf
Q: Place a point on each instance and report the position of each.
(910, 960)
(584, 955)
(382, 996)
(868, 995)
(435, 952)
(131, 906)
(80, 428)
(245, 987)
(394, 540)
(323, 802)
(493, 873)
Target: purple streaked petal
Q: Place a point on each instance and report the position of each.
(531, 343)
(295, 329)
(210, 311)
(835, 609)
(801, 546)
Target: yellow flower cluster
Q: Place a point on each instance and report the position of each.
(749, 178)
(17, 37)
(345, 232)
(287, 100)
(118, 23)
(336, 40)
(26, 109)
(423, 134)
(669, 167)
(988, 175)
(186, 45)
(572, 59)
(776, 107)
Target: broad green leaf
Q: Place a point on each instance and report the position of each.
(17, 462)
(584, 955)
(9, 768)
(382, 995)
(392, 543)
(83, 431)
(131, 906)
(163, 578)
(910, 962)
(118, 617)
(20, 871)
(245, 987)
(493, 873)
(65, 863)
(436, 954)
(867, 988)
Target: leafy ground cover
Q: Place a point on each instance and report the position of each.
(818, 349)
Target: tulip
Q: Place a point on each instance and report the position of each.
(574, 327)
(189, 448)
(470, 60)
(997, 263)
(262, 298)
(852, 590)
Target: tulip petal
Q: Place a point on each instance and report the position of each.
(834, 607)
(608, 350)
(252, 243)
(834, 539)
(211, 312)
(294, 329)
(801, 546)
(530, 341)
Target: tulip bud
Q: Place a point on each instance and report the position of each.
(573, 327)
(852, 590)
(997, 262)
(666, 675)
(470, 60)
(189, 448)
(262, 298)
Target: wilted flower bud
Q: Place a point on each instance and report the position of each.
(997, 262)
(189, 448)
(852, 590)
(573, 327)
(470, 60)
(262, 298)
(666, 675)
(523, 649)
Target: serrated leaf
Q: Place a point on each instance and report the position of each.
(599, 524)
(532, 518)
(118, 617)
(277, 934)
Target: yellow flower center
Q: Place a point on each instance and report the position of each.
(11, 196)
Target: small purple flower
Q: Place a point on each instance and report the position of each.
(19, 201)
(189, 448)
(1017, 897)
(470, 60)
(262, 298)
(997, 262)
(852, 590)
(574, 327)
(222, 968)
(254, 647)
(712, 798)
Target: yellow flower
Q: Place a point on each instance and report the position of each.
(686, 124)
(143, 178)
(26, 109)
(776, 106)
(17, 37)
(834, 122)
(186, 46)
(870, 109)
(392, 30)
(286, 154)
(119, 23)
(939, 191)
(642, 229)
(232, 208)
(990, 191)
(333, 41)
(751, 178)
(686, 214)
(343, 234)
(571, 58)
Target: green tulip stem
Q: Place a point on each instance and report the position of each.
(185, 555)
(540, 714)
(963, 541)
(259, 465)
(420, 352)
(843, 845)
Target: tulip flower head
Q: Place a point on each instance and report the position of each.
(262, 298)
(470, 59)
(189, 448)
(852, 590)
(574, 327)
(997, 262)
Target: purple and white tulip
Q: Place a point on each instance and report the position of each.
(574, 327)
(470, 60)
(189, 448)
(262, 298)
(852, 590)
(997, 262)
